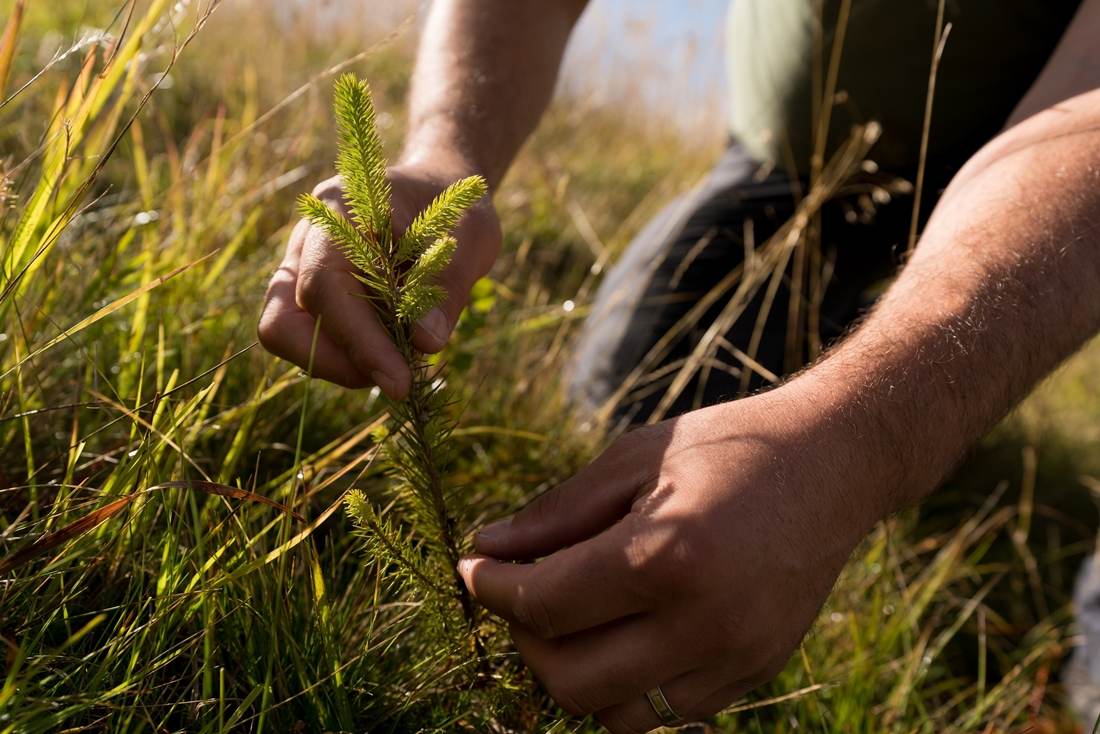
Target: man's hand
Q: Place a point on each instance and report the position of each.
(484, 74)
(315, 285)
(691, 555)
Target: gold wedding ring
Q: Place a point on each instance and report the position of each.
(662, 708)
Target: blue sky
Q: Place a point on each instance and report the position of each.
(668, 53)
(668, 24)
(669, 50)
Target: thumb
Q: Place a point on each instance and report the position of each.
(479, 240)
(591, 501)
(433, 330)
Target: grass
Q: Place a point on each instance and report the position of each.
(142, 216)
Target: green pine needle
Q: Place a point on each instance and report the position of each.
(362, 253)
(415, 304)
(387, 543)
(361, 161)
(419, 295)
(441, 216)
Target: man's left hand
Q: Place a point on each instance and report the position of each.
(692, 555)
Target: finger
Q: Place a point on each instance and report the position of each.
(598, 669)
(433, 330)
(327, 289)
(479, 238)
(288, 332)
(589, 502)
(293, 255)
(693, 696)
(577, 588)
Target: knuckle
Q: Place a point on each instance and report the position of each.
(669, 560)
(657, 554)
(284, 276)
(531, 612)
(544, 509)
(298, 233)
(328, 188)
(267, 331)
(690, 553)
(311, 289)
(645, 576)
(683, 560)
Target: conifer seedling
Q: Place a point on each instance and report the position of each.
(420, 544)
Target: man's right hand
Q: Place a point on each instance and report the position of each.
(315, 285)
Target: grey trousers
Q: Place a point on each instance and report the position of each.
(690, 246)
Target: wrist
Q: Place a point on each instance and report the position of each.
(818, 453)
(441, 152)
(871, 431)
(439, 164)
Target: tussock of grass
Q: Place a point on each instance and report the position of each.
(139, 227)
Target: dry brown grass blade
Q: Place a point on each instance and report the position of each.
(772, 257)
(224, 490)
(72, 530)
(97, 517)
(8, 42)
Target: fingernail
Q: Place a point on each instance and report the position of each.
(435, 323)
(464, 565)
(496, 530)
(384, 381)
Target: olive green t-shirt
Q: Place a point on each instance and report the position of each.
(778, 48)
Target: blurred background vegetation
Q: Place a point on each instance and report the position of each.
(150, 153)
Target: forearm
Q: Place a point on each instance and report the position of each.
(1002, 287)
(484, 74)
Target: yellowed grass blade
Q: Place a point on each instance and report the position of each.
(107, 310)
(8, 42)
(151, 426)
(99, 516)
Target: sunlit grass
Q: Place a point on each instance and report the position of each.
(142, 217)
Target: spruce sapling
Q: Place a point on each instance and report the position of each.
(398, 274)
